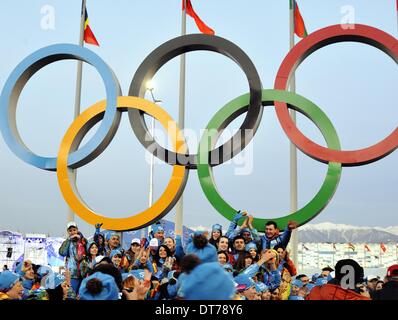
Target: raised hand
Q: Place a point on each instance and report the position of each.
(291, 225)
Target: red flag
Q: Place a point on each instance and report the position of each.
(200, 24)
(89, 36)
(397, 5)
(351, 246)
(367, 248)
(299, 25)
(383, 247)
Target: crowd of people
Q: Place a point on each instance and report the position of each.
(238, 265)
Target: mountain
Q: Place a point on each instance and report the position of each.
(341, 233)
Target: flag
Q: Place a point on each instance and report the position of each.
(383, 247)
(351, 246)
(200, 24)
(305, 247)
(299, 25)
(89, 36)
(397, 5)
(367, 248)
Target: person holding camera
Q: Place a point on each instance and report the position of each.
(74, 251)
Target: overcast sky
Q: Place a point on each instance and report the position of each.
(355, 85)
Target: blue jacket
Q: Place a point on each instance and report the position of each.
(69, 249)
(282, 239)
(179, 251)
(234, 230)
(148, 265)
(272, 279)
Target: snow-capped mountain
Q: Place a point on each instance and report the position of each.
(341, 233)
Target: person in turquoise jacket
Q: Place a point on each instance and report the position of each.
(74, 251)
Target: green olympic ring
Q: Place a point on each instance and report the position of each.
(238, 106)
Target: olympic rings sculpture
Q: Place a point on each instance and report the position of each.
(109, 111)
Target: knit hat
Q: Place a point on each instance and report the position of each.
(251, 245)
(22, 267)
(261, 287)
(208, 281)
(7, 280)
(245, 230)
(321, 281)
(114, 253)
(44, 270)
(108, 289)
(53, 280)
(126, 275)
(138, 274)
(244, 282)
(314, 277)
(112, 234)
(310, 286)
(297, 283)
(206, 254)
(88, 246)
(216, 227)
(157, 228)
(228, 266)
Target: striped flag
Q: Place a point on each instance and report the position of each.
(89, 36)
(299, 26)
(351, 246)
(366, 246)
(199, 23)
(383, 247)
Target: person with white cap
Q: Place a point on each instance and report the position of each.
(74, 250)
(133, 251)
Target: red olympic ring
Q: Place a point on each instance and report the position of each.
(317, 40)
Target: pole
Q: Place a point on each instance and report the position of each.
(181, 119)
(144, 231)
(293, 150)
(71, 214)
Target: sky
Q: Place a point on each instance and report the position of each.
(354, 84)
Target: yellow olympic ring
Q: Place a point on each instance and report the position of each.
(71, 141)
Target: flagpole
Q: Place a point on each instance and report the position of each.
(397, 13)
(144, 231)
(71, 214)
(181, 117)
(293, 150)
